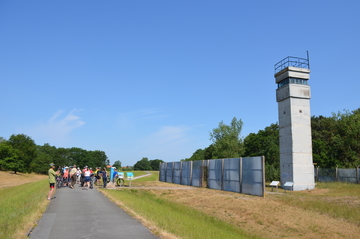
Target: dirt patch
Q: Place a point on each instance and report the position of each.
(267, 217)
(9, 179)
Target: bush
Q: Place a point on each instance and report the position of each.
(272, 173)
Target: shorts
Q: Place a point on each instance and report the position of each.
(87, 179)
(52, 185)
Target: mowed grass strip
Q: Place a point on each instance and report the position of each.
(174, 218)
(19, 207)
(154, 176)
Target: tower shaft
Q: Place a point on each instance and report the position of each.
(293, 97)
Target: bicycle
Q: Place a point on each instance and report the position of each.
(59, 181)
(119, 181)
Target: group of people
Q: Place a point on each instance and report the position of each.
(68, 176)
(72, 175)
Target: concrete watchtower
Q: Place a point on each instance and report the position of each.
(293, 97)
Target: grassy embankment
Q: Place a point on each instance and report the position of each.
(21, 206)
(172, 218)
(338, 200)
(331, 210)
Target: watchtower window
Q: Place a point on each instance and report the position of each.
(292, 81)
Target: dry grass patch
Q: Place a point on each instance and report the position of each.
(276, 215)
(9, 179)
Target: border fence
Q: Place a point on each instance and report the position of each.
(351, 175)
(242, 175)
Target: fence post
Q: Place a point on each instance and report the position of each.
(263, 175)
(240, 173)
(181, 163)
(206, 173)
(191, 172)
(222, 174)
(357, 174)
(317, 173)
(336, 174)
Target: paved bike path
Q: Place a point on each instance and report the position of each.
(77, 213)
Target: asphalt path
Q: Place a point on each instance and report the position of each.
(77, 213)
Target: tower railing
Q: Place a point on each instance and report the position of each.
(292, 61)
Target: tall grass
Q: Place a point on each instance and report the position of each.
(177, 219)
(18, 204)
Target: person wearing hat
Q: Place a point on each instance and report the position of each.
(78, 173)
(73, 176)
(52, 180)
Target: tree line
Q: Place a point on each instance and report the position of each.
(20, 154)
(335, 143)
(146, 164)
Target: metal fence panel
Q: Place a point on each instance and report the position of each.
(244, 175)
(347, 175)
(232, 175)
(162, 172)
(169, 172)
(186, 173)
(196, 173)
(326, 175)
(253, 176)
(177, 172)
(215, 174)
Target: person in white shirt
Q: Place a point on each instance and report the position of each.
(87, 178)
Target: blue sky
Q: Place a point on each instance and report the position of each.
(152, 78)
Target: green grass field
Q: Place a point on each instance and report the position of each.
(19, 206)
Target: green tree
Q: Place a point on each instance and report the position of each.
(199, 154)
(324, 147)
(117, 164)
(226, 140)
(336, 139)
(80, 157)
(97, 158)
(45, 155)
(155, 164)
(265, 143)
(9, 158)
(348, 137)
(143, 164)
(26, 150)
